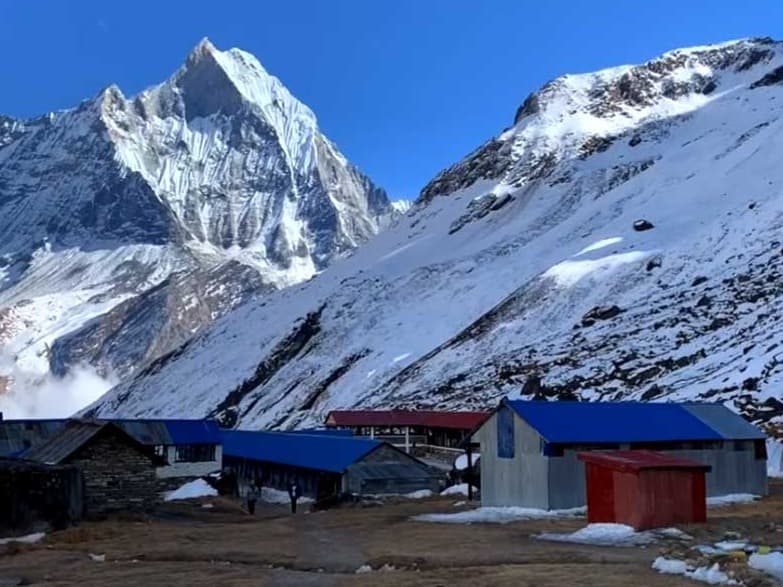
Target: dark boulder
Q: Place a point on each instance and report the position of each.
(698, 280)
(600, 313)
(532, 386)
(655, 262)
(709, 87)
(751, 384)
(704, 301)
(641, 225)
(718, 323)
(773, 77)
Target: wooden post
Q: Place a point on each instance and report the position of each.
(372, 431)
(470, 472)
(408, 439)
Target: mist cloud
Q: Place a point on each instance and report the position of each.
(33, 395)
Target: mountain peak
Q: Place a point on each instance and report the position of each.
(214, 81)
(628, 89)
(205, 49)
(203, 46)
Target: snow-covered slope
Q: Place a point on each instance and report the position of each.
(528, 257)
(127, 224)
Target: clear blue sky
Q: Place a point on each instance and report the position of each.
(404, 87)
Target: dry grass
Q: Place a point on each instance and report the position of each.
(189, 545)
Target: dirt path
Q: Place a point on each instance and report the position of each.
(189, 545)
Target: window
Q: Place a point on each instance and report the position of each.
(505, 427)
(195, 453)
(760, 448)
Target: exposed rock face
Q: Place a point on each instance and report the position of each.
(484, 282)
(129, 223)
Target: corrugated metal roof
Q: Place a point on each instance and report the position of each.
(612, 422)
(639, 460)
(193, 431)
(16, 436)
(179, 432)
(729, 425)
(426, 418)
(64, 443)
(319, 452)
(391, 470)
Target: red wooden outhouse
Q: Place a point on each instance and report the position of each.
(644, 489)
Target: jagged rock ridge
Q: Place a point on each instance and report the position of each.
(129, 223)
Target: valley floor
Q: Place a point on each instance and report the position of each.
(187, 544)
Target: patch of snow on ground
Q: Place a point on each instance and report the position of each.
(600, 245)
(674, 533)
(731, 498)
(387, 568)
(461, 489)
(271, 495)
(712, 575)
(670, 566)
(498, 515)
(568, 273)
(192, 490)
(28, 539)
(420, 494)
(728, 545)
(603, 535)
(771, 563)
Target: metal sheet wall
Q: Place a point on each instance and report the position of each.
(521, 480)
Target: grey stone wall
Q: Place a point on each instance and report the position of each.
(118, 474)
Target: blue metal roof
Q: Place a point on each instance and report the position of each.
(193, 431)
(725, 422)
(16, 436)
(614, 422)
(320, 452)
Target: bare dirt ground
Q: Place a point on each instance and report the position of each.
(185, 544)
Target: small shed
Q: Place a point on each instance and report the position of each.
(323, 465)
(119, 471)
(644, 489)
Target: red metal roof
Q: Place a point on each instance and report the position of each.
(425, 418)
(638, 460)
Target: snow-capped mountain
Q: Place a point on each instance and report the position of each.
(129, 223)
(622, 239)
